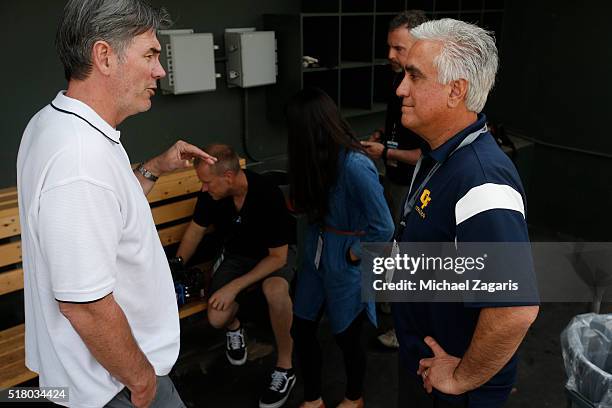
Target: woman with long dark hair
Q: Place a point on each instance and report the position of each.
(336, 185)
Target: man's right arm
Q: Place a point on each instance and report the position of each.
(405, 156)
(179, 156)
(190, 241)
(104, 329)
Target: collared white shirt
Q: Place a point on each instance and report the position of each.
(87, 231)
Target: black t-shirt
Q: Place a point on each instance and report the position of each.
(394, 131)
(262, 223)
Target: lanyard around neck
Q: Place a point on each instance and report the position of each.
(409, 203)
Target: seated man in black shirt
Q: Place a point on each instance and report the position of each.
(251, 216)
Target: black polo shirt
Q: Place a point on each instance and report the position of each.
(394, 131)
(262, 223)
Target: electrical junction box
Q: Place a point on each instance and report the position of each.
(189, 61)
(251, 57)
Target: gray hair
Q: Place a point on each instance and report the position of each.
(115, 21)
(468, 52)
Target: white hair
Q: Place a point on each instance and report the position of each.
(468, 52)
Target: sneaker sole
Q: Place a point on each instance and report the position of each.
(236, 362)
(280, 403)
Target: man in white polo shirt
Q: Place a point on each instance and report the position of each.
(101, 314)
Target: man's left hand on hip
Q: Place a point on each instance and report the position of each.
(439, 371)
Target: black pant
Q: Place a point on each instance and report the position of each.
(411, 393)
(308, 351)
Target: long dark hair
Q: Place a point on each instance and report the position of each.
(318, 135)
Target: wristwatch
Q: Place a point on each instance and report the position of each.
(146, 173)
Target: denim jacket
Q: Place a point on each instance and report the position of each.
(357, 213)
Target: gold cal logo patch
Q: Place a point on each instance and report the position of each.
(425, 199)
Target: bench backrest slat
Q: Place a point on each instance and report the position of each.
(7, 334)
(11, 281)
(8, 195)
(11, 344)
(173, 211)
(9, 226)
(172, 235)
(10, 253)
(170, 188)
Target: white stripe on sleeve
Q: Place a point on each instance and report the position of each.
(485, 197)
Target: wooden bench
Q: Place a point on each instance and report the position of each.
(172, 203)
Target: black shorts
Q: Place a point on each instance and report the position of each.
(235, 266)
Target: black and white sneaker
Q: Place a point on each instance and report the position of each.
(235, 347)
(281, 384)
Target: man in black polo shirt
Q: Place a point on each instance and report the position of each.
(251, 216)
(398, 146)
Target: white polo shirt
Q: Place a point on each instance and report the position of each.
(87, 231)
